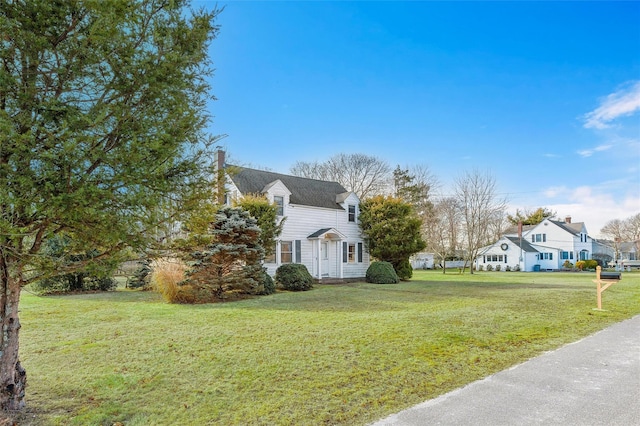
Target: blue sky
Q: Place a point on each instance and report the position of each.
(545, 96)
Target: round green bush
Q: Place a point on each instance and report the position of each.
(404, 270)
(382, 273)
(294, 277)
(268, 285)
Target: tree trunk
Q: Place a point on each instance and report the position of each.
(13, 378)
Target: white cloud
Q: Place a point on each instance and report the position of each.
(555, 191)
(595, 206)
(590, 152)
(623, 102)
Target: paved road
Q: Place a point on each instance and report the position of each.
(595, 381)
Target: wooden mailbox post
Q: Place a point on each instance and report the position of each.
(604, 280)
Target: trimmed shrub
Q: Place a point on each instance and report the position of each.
(591, 264)
(586, 264)
(75, 282)
(489, 268)
(294, 277)
(268, 285)
(404, 270)
(498, 268)
(567, 265)
(382, 273)
(93, 276)
(516, 268)
(508, 268)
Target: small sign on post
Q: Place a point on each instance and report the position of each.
(604, 280)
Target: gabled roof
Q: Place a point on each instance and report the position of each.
(322, 233)
(523, 244)
(304, 191)
(514, 229)
(519, 242)
(627, 247)
(574, 228)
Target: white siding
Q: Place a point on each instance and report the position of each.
(303, 221)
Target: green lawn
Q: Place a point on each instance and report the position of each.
(339, 354)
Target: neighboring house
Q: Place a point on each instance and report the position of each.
(628, 255)
(545, 246)
(321, 228)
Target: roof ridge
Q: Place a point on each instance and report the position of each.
(284, 174)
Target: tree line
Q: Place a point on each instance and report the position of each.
(451, 227)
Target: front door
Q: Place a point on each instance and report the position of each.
(324, 258)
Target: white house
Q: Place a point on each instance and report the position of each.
(320, 221)
(545, 246)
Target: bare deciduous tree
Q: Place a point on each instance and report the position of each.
(441, 229)
(360, 173)
(480, 208)
(621, 230)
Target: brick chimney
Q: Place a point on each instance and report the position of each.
(567, 219)
(219, 159)
(219, 165)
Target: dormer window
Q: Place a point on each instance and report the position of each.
(279, 201)
(352, 213)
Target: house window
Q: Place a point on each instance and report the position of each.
(584, 255)
(286, 251)
(564, 255)
(279, 201)
(352, 253)
(539, 238)
(352, 213)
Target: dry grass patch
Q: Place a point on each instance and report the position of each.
(166, 275)
(333, 355)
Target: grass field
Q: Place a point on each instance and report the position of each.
(339, 354)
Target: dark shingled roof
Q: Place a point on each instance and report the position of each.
(573, 227)
(523, 244)
(319, 232)
(306, 192)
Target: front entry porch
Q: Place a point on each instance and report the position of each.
(327, 254)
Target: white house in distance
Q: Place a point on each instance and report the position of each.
(321, 220)
(545, 246)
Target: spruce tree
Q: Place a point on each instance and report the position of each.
(230, 266)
